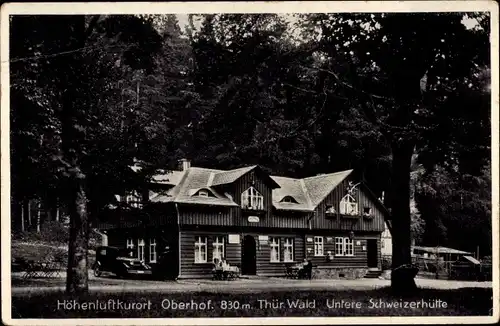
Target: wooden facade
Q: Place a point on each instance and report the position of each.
(247, 232)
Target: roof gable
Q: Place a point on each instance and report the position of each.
(193, 180)
(290, 187)
(318, 187)
(226, 177)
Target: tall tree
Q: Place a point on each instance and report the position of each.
(396, 65)
(72, 79)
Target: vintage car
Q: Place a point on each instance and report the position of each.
(120, 262)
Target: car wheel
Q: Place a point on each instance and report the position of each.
(97, 270)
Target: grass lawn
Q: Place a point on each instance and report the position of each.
(465, 302)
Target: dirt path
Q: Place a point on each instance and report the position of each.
(242, 285)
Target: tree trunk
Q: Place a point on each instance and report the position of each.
(73, 115)
(77, 273)
(57, 211)
(38, 215)
(22, 216)
(401, 280)
(29, 213)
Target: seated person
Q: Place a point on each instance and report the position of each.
(224, 264)
(303, 264)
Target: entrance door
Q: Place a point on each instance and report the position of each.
(248, 256)
(371, 252)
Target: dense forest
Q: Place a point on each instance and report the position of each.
(404, 99)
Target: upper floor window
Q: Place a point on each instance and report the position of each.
(348, 205)
(330, 209)
(133, 199)
(203, 193)
(252, 199)
(289, 199)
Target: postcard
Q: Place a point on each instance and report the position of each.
(269, 163)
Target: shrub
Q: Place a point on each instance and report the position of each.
(50, 231)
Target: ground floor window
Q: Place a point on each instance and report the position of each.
(200, 249)
(339, 246)
(274, 243)
(140, 249)
(130, 245)
(218, 248)
(152, 250)
(288, 250)
(344, 246)
(318, 246)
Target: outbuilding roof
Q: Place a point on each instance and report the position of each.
(441, 250)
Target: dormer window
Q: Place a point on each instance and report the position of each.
(348, 205)
(200, 192)
(203, 193)
(252, 199)
(289, 199)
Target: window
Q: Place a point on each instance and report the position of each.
(203, 193)
(274, 243)
(130, 245)
(152, 250)
(288, 250)
(348, 247)
(318, 246)
(140, 249)
(133, 199)
(330, 209)
(289, 199)
(339, 246)
(348, 206)
(200, 249)
(252, 199)
(218, 248)
(367, 211)
(344, 247)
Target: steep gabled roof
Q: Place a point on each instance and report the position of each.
(169, 178)
(225, 177)
(318, 187)
(308, 192)
(194, 179)
(290, 187)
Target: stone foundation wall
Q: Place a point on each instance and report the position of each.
(339, 273)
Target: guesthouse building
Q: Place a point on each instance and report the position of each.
(256, 221)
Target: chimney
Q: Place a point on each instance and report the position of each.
(185, 164)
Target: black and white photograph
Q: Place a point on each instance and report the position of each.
(250, 163)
